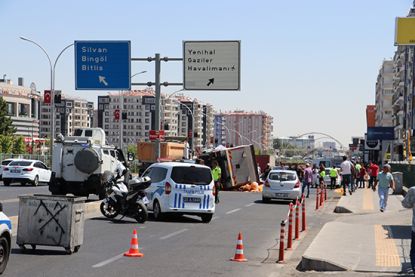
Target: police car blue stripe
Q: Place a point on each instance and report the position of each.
(175, 200)
(200, 205)
(183, 204)
(7, 222)
(207, 206)
(180, 198)
(204, 200)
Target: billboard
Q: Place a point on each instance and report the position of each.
(371, 115)
(380, 133)
(405, 31)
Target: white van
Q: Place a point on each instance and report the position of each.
(181, 188)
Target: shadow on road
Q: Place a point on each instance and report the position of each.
(274, 202)
(38, 252)
(399, 231)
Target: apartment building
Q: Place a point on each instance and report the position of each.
(23, 106)
(71, 114)
(384, 95)
(241, 127)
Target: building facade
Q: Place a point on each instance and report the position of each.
(241, 128)
(23, 107)
(384, 95)
(71, 114)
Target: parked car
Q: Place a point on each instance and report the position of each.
(4, 163)
(181, 188)
(26, 171)
(281, 184)
(5, 239)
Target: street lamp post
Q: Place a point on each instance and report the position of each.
(121, 122)
(193, 127)
(52, 87)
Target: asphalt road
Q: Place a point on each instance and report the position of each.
(180, 246)
(9, 196)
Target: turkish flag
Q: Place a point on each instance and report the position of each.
(117, 114)
(47, 97)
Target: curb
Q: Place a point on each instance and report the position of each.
(319, 265)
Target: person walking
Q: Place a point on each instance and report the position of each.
(362, 174)
(321, 175)
(308, 179)
(346, 172)
(385, 181)
(333, 177)
(373, 171)
(409, 203)
(216, 174)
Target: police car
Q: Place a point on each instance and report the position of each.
(5, 239)
(181, 188)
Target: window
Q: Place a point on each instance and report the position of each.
(20, 163)
(157, 174)
(191, 175)
(282, 176)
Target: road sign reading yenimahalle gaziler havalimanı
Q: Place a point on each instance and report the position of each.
(211, 65)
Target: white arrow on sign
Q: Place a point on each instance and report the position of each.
(102, 80)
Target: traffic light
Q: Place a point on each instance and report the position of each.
(58, 97)
(46, 97)
(124, 115)
(117, 114)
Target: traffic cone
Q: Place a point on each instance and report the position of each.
(239, 254)
(134, 252)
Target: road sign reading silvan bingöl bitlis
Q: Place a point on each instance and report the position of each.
(102, 65)
(211, 65)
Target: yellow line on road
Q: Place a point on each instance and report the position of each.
(386, 250)
(367, 200)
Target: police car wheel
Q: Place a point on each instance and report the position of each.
(4, 253)
(157, 211)
(206, 218)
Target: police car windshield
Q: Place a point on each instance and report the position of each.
(191, 175)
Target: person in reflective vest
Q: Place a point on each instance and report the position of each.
(216, 174)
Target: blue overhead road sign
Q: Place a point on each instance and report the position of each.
(102, 65)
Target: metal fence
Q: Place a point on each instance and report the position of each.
(40, 157)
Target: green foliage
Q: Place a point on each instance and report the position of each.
(132, 148)
(6, 144)
(6, 127)
(19, 146)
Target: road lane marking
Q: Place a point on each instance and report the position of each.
(174, 234)
(249, 205)
(110, 260)
(233, 211)
(386, 251)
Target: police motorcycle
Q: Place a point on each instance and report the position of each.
(128, 200)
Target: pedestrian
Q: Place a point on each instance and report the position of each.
(216, 174)
(357, 168)
(322, 174)
(266, 172)
(333, 177)
(362, 174)
(307, 180)
(373, 171)
(409, 202)
(385, 181)
(346, 172)
(300, 172)
(315, 176)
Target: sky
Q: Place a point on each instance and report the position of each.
(311, 65)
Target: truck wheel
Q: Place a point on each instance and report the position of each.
(6, 183)
(56, 189)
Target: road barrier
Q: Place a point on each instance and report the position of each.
(289, 219)
(239, 253)
(290, 227)
(317, 198)
(134, 251)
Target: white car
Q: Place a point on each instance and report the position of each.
(4, 163)
(281, 184)
(5, 239)
(181, 188)
(24, 171)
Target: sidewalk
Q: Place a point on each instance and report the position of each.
(363, 239)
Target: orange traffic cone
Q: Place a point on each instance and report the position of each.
(134, 252)
(239, 254)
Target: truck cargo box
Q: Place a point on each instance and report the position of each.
(169, 151)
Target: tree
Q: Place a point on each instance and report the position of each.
(19, 147)
(6, 127)
(6, 143)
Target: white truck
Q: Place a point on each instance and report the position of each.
(82, 163)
